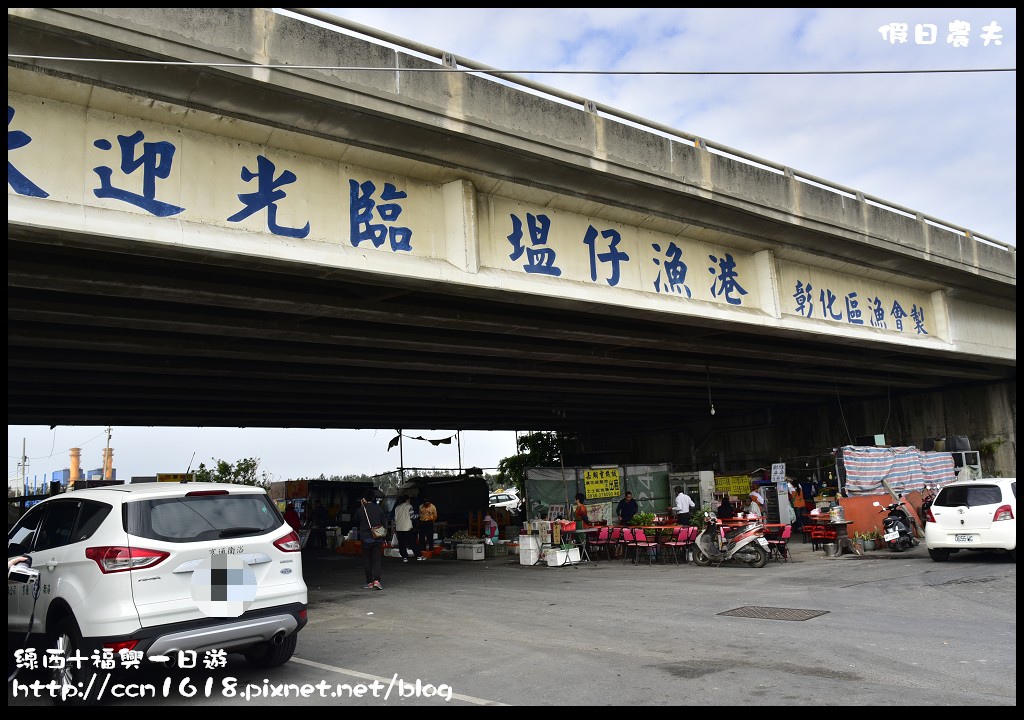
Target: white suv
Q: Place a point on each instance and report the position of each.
(158, 568)
(973, 515)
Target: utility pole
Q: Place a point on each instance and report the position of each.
(22, 470)
(108, 465)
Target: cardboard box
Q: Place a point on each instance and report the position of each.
(470, 552)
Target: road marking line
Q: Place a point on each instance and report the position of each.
(367, 676)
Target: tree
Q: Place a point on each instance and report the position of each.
(535, 450)
(243, 472)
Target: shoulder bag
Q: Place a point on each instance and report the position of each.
(377, 531)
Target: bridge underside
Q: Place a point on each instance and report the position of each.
(100, 332)
(97, 335)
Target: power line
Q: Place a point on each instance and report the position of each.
(357, 68)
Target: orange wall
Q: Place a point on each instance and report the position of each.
(867, 517)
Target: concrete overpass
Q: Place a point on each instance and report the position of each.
(252, 220)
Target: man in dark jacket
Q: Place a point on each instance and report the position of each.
(626, 509)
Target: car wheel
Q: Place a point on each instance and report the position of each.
(75, 682)
(269, 655)
(938, 554)
(1012, 554)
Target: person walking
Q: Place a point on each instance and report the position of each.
(404, 531)
(428, 514)
(369, 515)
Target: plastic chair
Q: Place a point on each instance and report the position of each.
(599, 542)
(778, 548)
(681, 539)
(615, 542)
(639, 542)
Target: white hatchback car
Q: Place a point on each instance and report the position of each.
(157, 568)
(973, 515)
(507, 500)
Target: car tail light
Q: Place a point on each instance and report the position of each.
(289, 543)
(195, 493)
(1004, 512)
(928, 517)
(121, 645)
(118, 558)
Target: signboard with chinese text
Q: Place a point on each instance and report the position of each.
(602, 483)
(733, 484)
(175, 477)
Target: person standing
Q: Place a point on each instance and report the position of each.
(580, 513)
(626, 509)
(756, 501)
(403, 529)
(683, 507)
(428, 514)
(369, 515)
(292, 518)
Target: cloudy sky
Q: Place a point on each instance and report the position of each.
(941, 143)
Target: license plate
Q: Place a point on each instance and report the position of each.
(762, 542)
(963, 538)
(891, 535)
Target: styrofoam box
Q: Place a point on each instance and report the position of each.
(558, 557)
(470, 552)
(528, 556)
(529, 542)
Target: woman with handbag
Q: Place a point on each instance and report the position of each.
(372, 530)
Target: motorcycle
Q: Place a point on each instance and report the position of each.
(898, 526)
(745, 543)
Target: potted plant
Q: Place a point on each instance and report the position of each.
(867, 540)
(643, 519)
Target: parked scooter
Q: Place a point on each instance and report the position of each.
(898, 526)
(745, 543)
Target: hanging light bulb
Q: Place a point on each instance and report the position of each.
(712, 409)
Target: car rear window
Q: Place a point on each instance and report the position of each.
(201, 518)
(969, 495)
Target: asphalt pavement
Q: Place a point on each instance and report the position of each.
(883, 628)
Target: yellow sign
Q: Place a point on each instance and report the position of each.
(733, 484)
(175, 477)
(602, 483)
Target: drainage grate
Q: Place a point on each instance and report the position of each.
(968, 580)
(772, 613)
